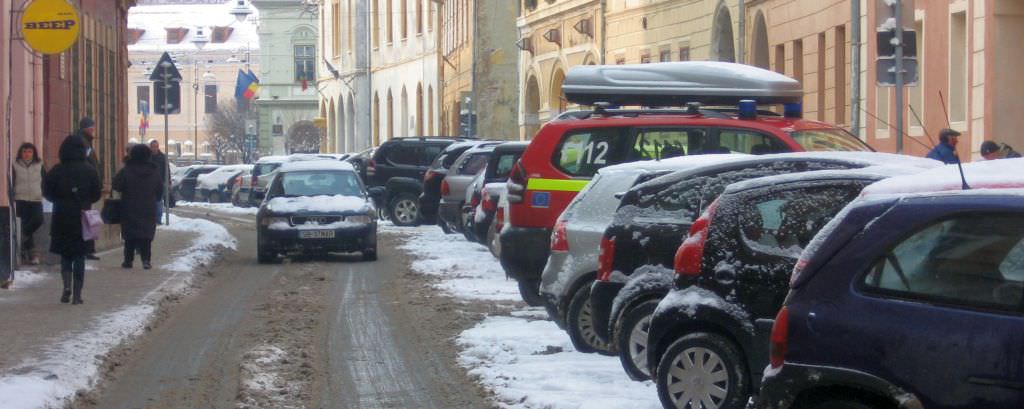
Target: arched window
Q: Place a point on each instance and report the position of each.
(389, 121)
(419, 109)
(430, 110)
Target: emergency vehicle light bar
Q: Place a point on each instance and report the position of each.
(674, 84)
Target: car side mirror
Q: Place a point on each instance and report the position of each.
(376, 192)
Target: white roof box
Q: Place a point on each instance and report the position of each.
(677, 83)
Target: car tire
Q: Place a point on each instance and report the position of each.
(265, 254)
(841, 403)
(404, 209)
(492, 237)
(631, 339)
(725, 383)
(370, 255)
(530, 291)
(579, 323)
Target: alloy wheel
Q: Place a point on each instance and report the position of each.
(405, 211)
(585, 323)
(638, 344)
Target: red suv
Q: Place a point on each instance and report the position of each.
(569, 150)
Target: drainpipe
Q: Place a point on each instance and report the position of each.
(855, 44)
(602, 47)
(368, 68)
(743, 32)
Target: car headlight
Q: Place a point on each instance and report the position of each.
(365, 219)
(267, 221)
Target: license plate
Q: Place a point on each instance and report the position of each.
(316, 234)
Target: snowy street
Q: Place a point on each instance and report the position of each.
(432, 324)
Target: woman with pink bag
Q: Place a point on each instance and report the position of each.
(73, 186)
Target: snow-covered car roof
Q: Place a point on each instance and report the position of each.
(675, 163)
(316, 165)
(221, 175)
(870, 172)
(273, 159)
(995, 174)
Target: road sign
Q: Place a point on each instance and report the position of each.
(50, 26)
(887, 44)
(161, 71)
(885, 15)
(886, 70)
(173, 102)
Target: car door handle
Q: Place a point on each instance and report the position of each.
(1004, 383)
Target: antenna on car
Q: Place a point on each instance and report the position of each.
(601, 108)
(913, 111)
(693, 108)
(959, 165)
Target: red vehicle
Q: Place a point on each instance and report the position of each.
(569, 150)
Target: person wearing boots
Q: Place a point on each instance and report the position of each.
(72, 186)
(28, 196)
(139, 183)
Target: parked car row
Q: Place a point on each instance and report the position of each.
(711, 249)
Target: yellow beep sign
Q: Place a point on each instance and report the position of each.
(50, 26)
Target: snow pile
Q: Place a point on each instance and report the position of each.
(27, 278)
(71, 364)
(469, 270)
(261, 382)
(516, 357)
(212, 238)
(336, 203)
(227, 208)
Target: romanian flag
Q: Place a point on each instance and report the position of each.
(246, 86)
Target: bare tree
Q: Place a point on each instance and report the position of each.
(228, 129)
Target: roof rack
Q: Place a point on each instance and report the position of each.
(678, 83)
(707, 112)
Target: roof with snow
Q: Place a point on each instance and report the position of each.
(155, 25)
(315, 165)
(871, 172)
(995, 174)
(676, 163)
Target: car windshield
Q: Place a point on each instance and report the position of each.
(821, 140)
(319, 183)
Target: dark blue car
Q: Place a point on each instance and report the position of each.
(907, 301)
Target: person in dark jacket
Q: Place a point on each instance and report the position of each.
(945, 151)
(991, 150)
(160, 161)
(140, 187)
(87, 131)
(72, 186)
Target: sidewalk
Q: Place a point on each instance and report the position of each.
(50, 349)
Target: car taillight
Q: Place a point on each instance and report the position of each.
(475, 200)
(559, 238)
(604, 260)
(445, 189)
(689, 255)
(371, 168)
(489, 201)
(517, 181)
(499, 219)
(779, 339)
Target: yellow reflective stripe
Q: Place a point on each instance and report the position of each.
(558, 185)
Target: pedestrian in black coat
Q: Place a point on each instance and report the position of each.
(140, 185)
(72, 186)
(87, 131)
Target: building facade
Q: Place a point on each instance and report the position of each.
(288, 98)
(209, 46)
(479, 64)
(404, 68)
(47, 95)
(968, 80)
(343, 77)
(808, 40)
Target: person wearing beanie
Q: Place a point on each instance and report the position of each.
(87, 132)
(991, 150)
(945, 151)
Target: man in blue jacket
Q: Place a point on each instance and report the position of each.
(945, 151)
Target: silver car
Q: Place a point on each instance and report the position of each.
(460, 175)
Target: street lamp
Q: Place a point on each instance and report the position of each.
(241, 10)
(199, 39)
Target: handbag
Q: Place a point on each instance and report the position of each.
(91, 224)
(111, 213)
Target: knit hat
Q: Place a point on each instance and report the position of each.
(86, 123)
(988, 147)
